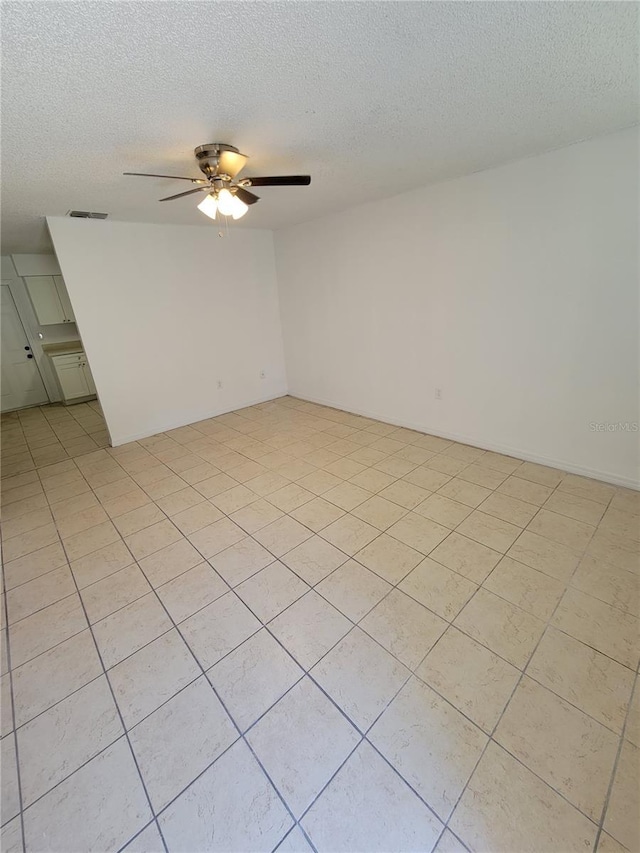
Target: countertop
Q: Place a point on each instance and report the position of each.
(62, 348)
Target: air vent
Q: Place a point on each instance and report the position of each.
(85, 214)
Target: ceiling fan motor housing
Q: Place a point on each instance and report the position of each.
(217, 159)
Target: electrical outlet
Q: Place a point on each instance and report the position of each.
(219, 383)
(263, 374)
(438, 394)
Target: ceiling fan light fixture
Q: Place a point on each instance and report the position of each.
(225, 202)
(209, 206)
(239, 208)
(230, 163)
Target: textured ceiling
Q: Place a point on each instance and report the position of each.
(369, 98)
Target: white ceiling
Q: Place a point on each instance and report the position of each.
(370, 98)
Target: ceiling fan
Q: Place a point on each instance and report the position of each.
(221, 164)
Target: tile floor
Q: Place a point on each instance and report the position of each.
(291, 628)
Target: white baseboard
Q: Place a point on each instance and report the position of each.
(117, 441)
(527, 456)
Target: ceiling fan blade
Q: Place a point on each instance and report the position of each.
(282, 181)
(188, 192)
(246, 196)
(173, 177)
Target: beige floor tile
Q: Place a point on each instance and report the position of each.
(265, 484)
(586, 488)
(219, 812)
(10, 798)
(482, 475)
(48, 678)
(368, 807)
(317, 514)
(138, 519)
(350, 534)
(580, 509)
(525, 490)
(113, 592)
(624, 524)
(46, 628)
(215, 485)
(301, 742)
(345, 468)
(198, 472)
(191, 591)
(621, 820)
(540, 474)
(63, 738)
(24, 600)
(559, 528)
(489, 531)
(146, 679)
(504, 628)
(234, 499)
(26, 522)
(569, 750)
(441, 590)
(607, 844)
(219, 628)
(169, 562)
(447, 464)
(100, 806)
(549, 557)
(615, 550)
(6, 712)
(101, 564)
(448, 843)
(389, 558)
(464, 492)
(632, 732)
(309, 628)
(470, 559)
(431, 745)
(270, 590)
(24, 569)
(404, 627)
(600, 626)
(615, 586)
(295, 842)
(241, 561)
(314, 559)
(152, 539)
(345, 674)
(404, 494)
(525, 587)
(419, 533)
(372, 480)
(282, 535)
(26, 543)
(168, 763)
(353, 589)
(347, 496)
(508, 509)
(256, 516)
(597, 685)
(129, 629)
(179, 501)
(379, 512)
(427, 478)
(471, 677)
(11, 838)
(443, 510)
(507, 808)
(290, 497)
(253, 677)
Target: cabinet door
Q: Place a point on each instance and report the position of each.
(73, 382)
(89, 379)
(63, 296)
(46, 302)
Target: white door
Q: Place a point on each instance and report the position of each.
(21, 382)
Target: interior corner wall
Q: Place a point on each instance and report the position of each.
(514, 291)
(166, 312)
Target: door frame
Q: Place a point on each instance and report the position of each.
(7, 283)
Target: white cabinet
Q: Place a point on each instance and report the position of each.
(50, 299)
(74, 376)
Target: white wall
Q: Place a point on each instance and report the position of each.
(165, 312)
(514, 290)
